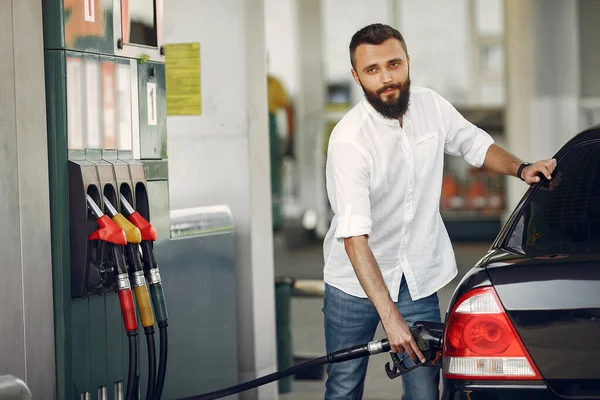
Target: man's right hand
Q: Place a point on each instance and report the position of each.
(370, 278)
(400, 338)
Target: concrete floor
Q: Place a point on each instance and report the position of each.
(306, 262)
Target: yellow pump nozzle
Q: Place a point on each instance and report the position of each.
(132, 233)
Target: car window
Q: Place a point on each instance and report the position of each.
(563, 215)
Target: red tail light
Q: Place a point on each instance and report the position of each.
(481, 343)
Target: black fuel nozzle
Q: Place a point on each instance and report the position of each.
(429, 337)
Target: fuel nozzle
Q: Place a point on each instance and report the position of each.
(113, 237)
(150, 267)
(132, 257)
(142, 297)
(108, 231)
(429, 338)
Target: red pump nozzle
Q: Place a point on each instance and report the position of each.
(147, 230)
(109, 232)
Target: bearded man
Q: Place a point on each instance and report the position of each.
(387, 252)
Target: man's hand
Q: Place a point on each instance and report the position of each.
(369, 276)
(544, 167)
(400, 338)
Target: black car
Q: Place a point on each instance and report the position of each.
(525, 321)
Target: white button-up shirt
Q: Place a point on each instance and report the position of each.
(385, 181)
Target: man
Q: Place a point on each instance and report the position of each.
(278, 99)
(387, 252)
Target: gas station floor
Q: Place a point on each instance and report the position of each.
(304, 260)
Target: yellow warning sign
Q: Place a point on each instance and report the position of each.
(182, 68)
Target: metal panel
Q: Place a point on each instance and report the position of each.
(198, 272)
(79, 352)
(152, 111)
(124, 103)
(98, 350)
(75, 100)
(12, 330)
(33, 196)
(26, 337)
(92, 105)
(135, 115)
(114, 343)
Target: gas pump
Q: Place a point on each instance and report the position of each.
(112, 239)
(106, 121)
(135, 268)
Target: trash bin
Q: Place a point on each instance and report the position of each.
(285, 352)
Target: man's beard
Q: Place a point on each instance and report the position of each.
(391, 109)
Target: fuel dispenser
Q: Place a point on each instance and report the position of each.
(106, 123)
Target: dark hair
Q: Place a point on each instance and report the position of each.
(374, 34)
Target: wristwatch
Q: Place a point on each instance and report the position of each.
(520, 170)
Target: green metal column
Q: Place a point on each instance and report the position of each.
(59, 218)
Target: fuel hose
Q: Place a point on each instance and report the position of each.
(351, 353)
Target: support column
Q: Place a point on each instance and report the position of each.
(543, 71)
(310, 111)
(26, 316)
(224, 153)
(256, 307)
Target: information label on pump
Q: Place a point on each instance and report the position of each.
(89, 10)
(182, 68)
(151, 95)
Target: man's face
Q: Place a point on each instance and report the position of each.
(383, 73)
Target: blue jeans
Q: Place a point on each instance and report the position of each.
(350, 321)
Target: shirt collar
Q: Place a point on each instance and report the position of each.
(378, 116)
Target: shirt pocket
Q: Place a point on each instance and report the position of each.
(426, 151)
(426, 138)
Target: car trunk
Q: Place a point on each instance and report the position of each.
(554, 304)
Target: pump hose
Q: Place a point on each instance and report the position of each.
(260, 381)
(151, 362)
(131, 393)
(368, 349)
(162, 364)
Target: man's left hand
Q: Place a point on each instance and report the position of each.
(544, 167)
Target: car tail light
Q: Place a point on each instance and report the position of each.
(480, 342)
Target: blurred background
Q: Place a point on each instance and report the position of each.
(521, 70)
(221, 111)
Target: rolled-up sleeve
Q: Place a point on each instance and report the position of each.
(347, 176)
(462, 137)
